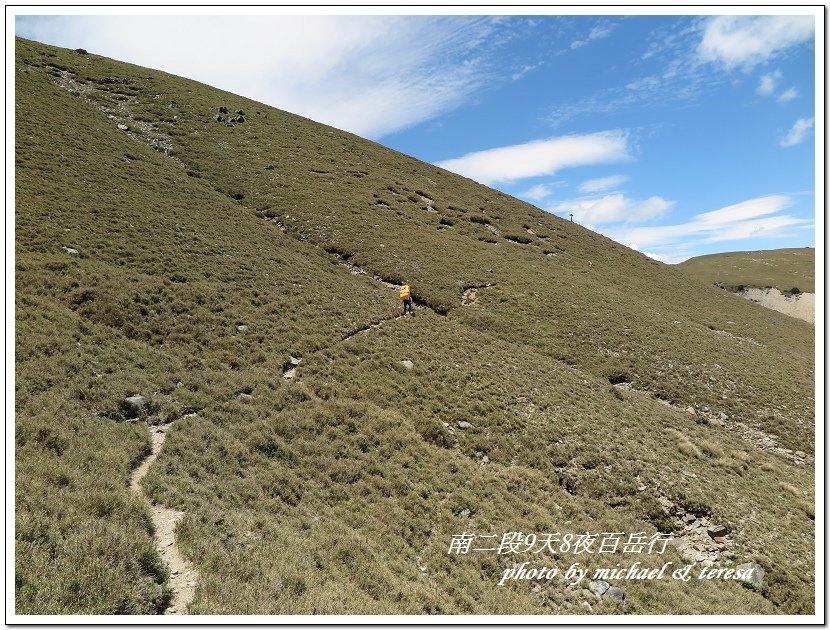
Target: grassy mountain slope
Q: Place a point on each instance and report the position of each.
(783, 269)
(340, 491)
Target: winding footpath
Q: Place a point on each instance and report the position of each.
(183, 576)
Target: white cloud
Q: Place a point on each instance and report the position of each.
(592, 211)
(370, 75)
(749, 219)
(600, 31)
(767, 84)
(540, 157)
(524, 70)
(798, 133)
(746, 41)
(788, 95)
(537, 192)
(601, 184)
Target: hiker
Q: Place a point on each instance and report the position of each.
(406, 298)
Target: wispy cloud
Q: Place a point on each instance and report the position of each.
(539, 192)
(540, 157)
(798, 133)
(370, 75)
(685, 51)
(602, 184)
(616, 208)
(746, 41)
(600, 31)
(788, 95)
(754, 218)
(766, 86)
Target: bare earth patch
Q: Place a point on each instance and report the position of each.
(801, 306)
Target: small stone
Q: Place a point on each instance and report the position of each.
(598, 587)
(755, 573)
(485, 460)
(136, 401)
(800, 454)
(463, 424)
(707, 563)
(70, 250)
(616, 593)
(295, 361)
(586, 606)
(243, 328)
(717, 531)
(464, 513)
(690, 518)
(123, 127)
(244, 396)
(407, 364)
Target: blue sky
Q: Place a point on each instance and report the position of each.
(675, 135)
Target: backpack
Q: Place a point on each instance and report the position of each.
(405, 292)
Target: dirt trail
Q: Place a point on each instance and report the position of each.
(183, 575)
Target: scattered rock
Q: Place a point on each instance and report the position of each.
(135, 402)
(243, 328)
(800, 454)
(244, 396)
(463, 424)
(598, 587)
(123, 127)
(615, 593)
(70, 250)
(81, 51)
(407, 364)
(295, 361)
(289, 374)
(756, 576)
(223, 110)
(717, 531)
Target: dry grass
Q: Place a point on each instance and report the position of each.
(327, 494)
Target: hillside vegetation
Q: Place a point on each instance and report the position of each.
(789, 270)
(185, 244)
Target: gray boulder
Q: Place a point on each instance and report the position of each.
(616, 593)
(407, 364)
(755, 576)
